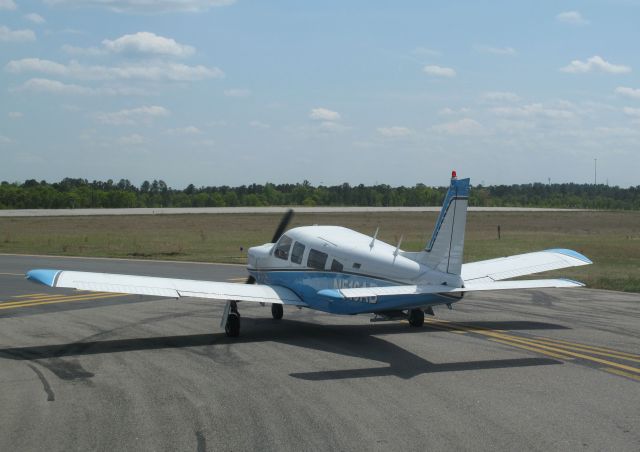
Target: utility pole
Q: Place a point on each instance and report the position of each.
(595, 171)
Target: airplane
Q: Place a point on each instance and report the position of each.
(341, 271)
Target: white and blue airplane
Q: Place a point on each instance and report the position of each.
(341, 271)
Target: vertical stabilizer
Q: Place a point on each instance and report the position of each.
(444, 251)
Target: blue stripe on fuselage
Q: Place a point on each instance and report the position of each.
(307, 283)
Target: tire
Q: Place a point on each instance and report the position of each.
(277, 311)
(416, 318)
(232, 327)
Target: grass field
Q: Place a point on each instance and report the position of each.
(610, 239)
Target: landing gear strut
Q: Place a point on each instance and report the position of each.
(416, 317)
(232, 325)
(276, 311)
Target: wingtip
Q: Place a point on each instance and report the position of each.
(43, 276)
(571, 253)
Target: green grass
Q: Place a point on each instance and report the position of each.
(610, 239)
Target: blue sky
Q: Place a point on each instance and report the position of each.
(216, 92)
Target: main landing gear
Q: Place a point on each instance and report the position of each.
(416, 318)
(277, 311)
(232, 316)
(232, 325)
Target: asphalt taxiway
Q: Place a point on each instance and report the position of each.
(517, 370)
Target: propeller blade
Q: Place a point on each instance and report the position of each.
(283, 225)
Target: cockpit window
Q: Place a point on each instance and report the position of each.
(282, 248)
(336, 266)
(297, 252)
(316, 259)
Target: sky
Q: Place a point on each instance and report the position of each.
(233, 92)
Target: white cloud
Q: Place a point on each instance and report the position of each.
(35, 18)
(533, 110)
(394, 131)
(44, 85)
(146, 6)
(593, 64)
(152, 71)
(628, 92)
(15, 114)
(145, 42)
(324, 114)
(635, 112)
(237, 92)
(506, 51)
(572, 18)
(8, 5)
(439, 71)
(259, 125)
(132, 140)
(9, 35)
(500, 96)
(465, 126)
(332, 127)
(133, 116)
(5, 140)
(452, 111)
(82, 51)
(188, 130)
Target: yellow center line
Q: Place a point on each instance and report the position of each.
(238, 279)
(93, 297)
(617, 355)
(50, 298)
(622, 373)
(562, 343)
(533, 349)
(552, 349)
(12, 274)
(505, 340)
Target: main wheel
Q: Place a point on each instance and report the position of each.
(277, 311)
(232, 327)
(416, 317)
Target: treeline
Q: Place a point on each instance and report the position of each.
(80, 193)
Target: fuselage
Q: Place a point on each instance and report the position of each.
(309, 259)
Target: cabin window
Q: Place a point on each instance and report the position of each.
(282, 248)
(297, 252)
(317, 259)
(356, 265)
(336, 266)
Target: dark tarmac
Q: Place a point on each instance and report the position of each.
(512, 370)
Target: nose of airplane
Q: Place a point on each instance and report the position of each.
(257, 254)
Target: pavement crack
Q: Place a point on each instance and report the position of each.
(47, 387)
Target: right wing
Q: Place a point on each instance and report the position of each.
(521, 264)
(165, 287)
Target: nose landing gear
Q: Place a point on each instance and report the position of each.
(277, 311)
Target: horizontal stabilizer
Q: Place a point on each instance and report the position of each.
(165, 287)
(364, 292)
(521, 265)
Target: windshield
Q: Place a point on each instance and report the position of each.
(282, 248)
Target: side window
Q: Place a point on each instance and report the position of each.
(282, 248)
(297, 252)
(316, 259)
(336, 266)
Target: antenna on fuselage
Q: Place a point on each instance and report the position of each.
(395, 253)
(375, 236)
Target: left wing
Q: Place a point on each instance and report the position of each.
(165, 287)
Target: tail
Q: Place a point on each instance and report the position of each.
(444, 251)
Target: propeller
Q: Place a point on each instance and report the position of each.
(284, 222)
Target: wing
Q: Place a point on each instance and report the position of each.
(410, 290)
(165, 287)
(519, 265)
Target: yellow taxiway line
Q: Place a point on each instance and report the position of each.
(59, 299)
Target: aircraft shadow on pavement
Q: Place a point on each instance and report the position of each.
(348, 340)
